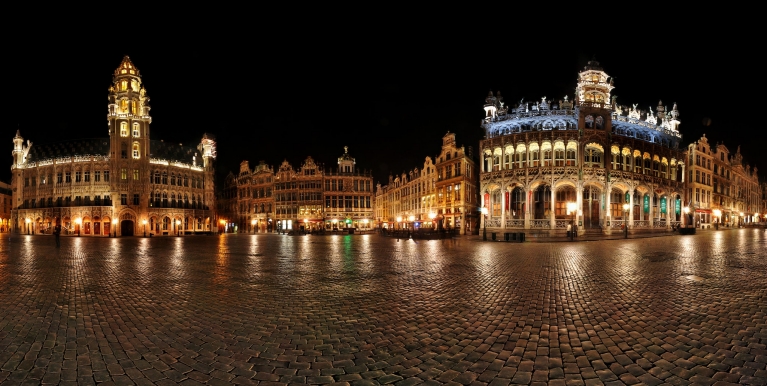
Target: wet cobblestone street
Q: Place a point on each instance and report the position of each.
(369, 310)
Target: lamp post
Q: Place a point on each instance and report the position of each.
(178, 225)
(686, 210)
(28, 221)
(484, 223)
(78, 221)
(571, 209)
(144, 222)
(253, 225)
(411, 219)
(717, 218)
(114, 227)
(626, 207)
(432, 216)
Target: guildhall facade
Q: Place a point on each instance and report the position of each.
(126, 184)
(589, 164)
(305, 199)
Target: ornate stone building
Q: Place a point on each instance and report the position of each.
(6, 196)
(591, 153)
(746, 194)
(306, 199)
(125, 184)
(409, 194)
(443, 194)
(701, 161)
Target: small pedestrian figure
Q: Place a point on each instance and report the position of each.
(56, 233)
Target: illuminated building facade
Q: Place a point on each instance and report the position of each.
(306, 199)
(409, 194)
(588, 163)
(700, 161)
(746, 194)
(126, 184)
(443, 194)
(6, 197)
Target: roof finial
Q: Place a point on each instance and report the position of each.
(346, 149)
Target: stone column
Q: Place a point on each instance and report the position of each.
(503, 206)
(607, 216)
(552, 212)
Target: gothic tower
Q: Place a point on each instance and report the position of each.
(592, 97)
(129, 120)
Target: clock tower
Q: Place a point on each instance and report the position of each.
(128, 119)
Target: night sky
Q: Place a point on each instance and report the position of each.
(390, 99)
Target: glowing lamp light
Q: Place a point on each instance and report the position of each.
(686, 210)
(335, 220)
(143, 221)
(78, 221)
(411, 218)
(432, 215)
(717, 213)
(572, 207)
(253, 222)
(484, 210)
(626, 207)
(28, 220)
(399, 218)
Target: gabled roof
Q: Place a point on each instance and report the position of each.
(172, 152)
(66, 149)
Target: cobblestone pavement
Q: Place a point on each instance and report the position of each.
(368, 310)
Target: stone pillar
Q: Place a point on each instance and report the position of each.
(579, 206)
(503, 206)
(607, 216)
(552, 214)
(528, 199)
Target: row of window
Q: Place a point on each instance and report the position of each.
(124, 128)
(67, 201)
(66, 178)
(185, 180)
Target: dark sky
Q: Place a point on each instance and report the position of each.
(390, 98)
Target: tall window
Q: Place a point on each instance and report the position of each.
(559, 157)
(135, 175)
(570, 157)
(135, 150)
(135, 130)
(123, 174)
(123, 129)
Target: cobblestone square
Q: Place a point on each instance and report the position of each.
(370, 310)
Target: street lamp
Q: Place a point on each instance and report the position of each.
(718, 218)
(686, 210)
(626, 207)
(178, 225)
(399, 222)
(114, 226)
(571, 209)
(411, 219)
(78, 221)
(484, 224)
(144, 222)
(253, 225)
(28, 221)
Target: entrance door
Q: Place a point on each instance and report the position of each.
(591, 207)
(126, 228)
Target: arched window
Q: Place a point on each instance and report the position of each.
(165, 178)
(534, 155)
(135, 130)
(136, 152)
(172, 179)
(123, 129)
(571, 154)
(165, 223)
(156, 177)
